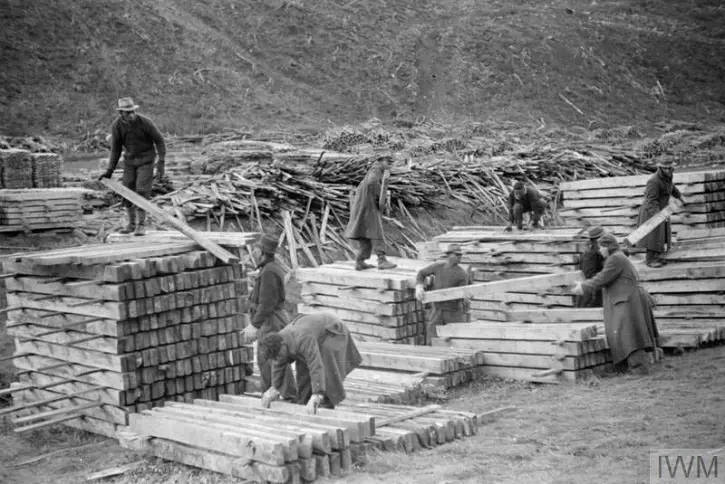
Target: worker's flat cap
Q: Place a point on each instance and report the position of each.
(596, 232)
(454, 249)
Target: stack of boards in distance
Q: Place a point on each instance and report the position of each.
(22, 169)
(496, 254)
(614, 202)
(130, 326)
(33, 209)
(375, 305)
(284, 444)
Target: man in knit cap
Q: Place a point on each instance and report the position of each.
(269, 316)
(525, 199)
(143, 142)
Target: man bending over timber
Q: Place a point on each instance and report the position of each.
(143, 142)
(445, 274)
(525, 199)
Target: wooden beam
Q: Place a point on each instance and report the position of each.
(383, 422)
(162, 216)
(643, 230)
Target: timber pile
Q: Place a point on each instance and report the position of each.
(375, 305)
(20, 168)
(496, 254)
(547, 353)
(283, 444)
(47, 170)
(45, 208)
(614, 202)
(106, 330)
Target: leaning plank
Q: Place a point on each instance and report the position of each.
(643, 230)
(159, 214)
(482, 289)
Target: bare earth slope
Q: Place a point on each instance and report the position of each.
(200, 65)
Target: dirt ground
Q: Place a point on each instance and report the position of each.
(602, 431)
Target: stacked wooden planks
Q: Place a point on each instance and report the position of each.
(284, 444)
(555, 352)
(375, 305)
(105, 330)
(43, 208)
(16, 169)
(47, 170)
(614, 202)
(496, 254)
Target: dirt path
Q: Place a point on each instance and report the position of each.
(601, 432)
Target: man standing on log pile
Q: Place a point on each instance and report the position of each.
(591, 263)
(324, 353)
(445, 274)
(656, 197)
(268, 313)
(628, 318)
(525, 199)
(366, 222)
(138, 135)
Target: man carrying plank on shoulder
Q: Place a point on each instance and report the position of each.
(525, 199)
(143, 142)
(324, 353)
(268, 313)
(445, 274)
(656, 197)
(366, 222)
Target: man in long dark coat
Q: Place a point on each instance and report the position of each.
(628, 319)
(366, 223)
(269, 316)
(445, 274)
(321, 347)
(525, 199)
(591, 262)
(656, 197)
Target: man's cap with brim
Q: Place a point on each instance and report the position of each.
(595, 232)
(454, 249)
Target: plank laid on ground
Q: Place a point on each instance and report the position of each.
(162, 216)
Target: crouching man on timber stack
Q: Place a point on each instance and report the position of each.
(269, 315)
(324, 353)
(445, 274)
(628, 319)
(656, 197)
(138, 135)
(525, 199)
(366, 222)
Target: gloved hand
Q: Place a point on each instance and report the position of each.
(509, 228)
(419, 292)
(269, 396)
(249, 334)
(314, 403)
(160, 172)
(578, 290)
(105, 174)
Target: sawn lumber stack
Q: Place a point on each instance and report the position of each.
(22, 169)
(106, 330)
(284, 444)
(33, 209)
(614, 202)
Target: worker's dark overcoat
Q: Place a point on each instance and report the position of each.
(656, 198)
(365, 218)
(591, 262)
(324, 353)
(628, 319)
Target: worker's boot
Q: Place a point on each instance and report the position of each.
(131, 226)
(141, 225)
(361, 265)
(384, 264)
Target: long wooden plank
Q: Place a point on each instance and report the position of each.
(678, 286)
(640, 180)
(567, 348)
(486, 288)
(42, 286)
(436, 366)
(103, 410)
(162, 216)
(313, 288)
(110, 379)
(690, 189)
(643, 230)
(109, 256)
(40, 226)
(369, 279)
(228, 239)
(538, 332)
(117, 363)
(558, 315)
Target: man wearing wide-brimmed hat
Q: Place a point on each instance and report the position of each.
(143, 142)
(591, 263)
(628, 318)
(445, 274)
(268, 312)
(525, 199)
(657, 194)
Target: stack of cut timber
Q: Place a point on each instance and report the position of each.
(496, 254)
(16, 168)
(47, 170)
(547, 352)
(614, 202)
(284, 444)
(375, 305)
(42, 208)
(440, 368)
(104, 330)
(699, 245)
